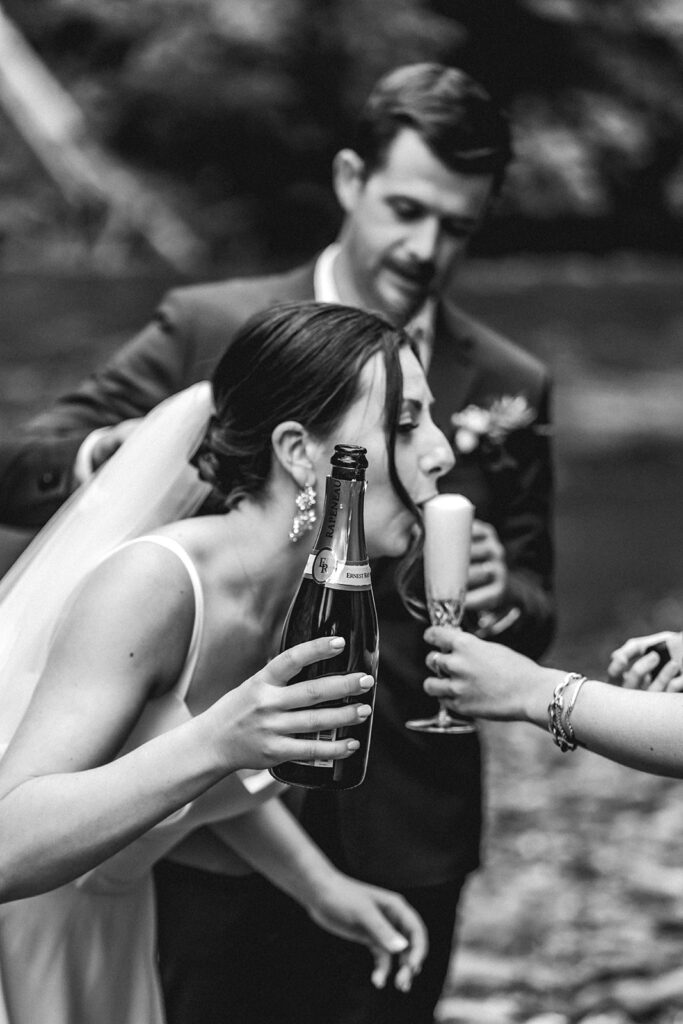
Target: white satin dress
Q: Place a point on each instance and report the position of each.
(86, 953)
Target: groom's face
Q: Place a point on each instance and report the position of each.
(408, 223)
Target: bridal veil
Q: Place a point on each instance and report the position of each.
(147, 483)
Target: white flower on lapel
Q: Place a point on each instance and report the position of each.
(474, 424)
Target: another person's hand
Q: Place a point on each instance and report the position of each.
(264, 721)
(482, 679)
(379, 919)
(488, 574)
(632, 668)
(99, 446)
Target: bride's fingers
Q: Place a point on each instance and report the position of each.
(289, 663)
(314, 720)
(307, 749)
(316, 691)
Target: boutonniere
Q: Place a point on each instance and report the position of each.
(487, 428)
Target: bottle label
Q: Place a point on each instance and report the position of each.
(325, 569)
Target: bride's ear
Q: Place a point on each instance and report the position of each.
(295, 450)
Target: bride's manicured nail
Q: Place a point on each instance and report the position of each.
(363, 711)
(366, 682)
(337, 642)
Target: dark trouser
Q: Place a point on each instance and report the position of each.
(237, 951)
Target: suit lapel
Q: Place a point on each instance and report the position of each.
(298, 285)
(453, 368)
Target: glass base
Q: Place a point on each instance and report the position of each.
(443, 722)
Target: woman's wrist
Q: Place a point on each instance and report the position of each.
(214, 737)
(540, 694)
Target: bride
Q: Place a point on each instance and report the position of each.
(131, 732)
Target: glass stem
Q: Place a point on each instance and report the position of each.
(444, 714)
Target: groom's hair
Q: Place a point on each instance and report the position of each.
(452, 113)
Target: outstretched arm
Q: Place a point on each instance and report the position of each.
(640, 729)
(273, 843)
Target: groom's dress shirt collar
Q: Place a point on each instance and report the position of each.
(420, 327)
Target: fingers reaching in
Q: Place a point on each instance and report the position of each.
(668, 678)
(623, 659)
(639, 675)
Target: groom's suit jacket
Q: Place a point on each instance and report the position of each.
(416, 818)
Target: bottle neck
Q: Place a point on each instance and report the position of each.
(341, 525)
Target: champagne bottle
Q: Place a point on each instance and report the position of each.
(335, 599)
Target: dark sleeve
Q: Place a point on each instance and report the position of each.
(521, 480)
(36, 462)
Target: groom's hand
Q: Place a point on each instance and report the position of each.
(99, 446)
(488, 573)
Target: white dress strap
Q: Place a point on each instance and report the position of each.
(181, 687)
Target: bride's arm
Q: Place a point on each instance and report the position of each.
(63, 806)
(65, 803)
(272, 842)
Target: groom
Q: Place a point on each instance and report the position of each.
(429, 156)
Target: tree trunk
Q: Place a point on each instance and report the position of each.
(52, 124)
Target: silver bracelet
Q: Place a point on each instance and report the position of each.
(561, 731)
(572, 702)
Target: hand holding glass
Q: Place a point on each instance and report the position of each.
(448, 534)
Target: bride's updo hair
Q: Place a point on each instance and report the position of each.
(295, 361)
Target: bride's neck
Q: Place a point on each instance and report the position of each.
(271, 564)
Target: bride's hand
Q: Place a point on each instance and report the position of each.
(377, 918)
(264, 721)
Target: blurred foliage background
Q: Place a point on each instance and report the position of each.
(232, 110)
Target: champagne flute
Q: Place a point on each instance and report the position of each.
(448, 534)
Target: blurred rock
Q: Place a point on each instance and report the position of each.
(617, 1017)
(476, 1011)
(548, 1018)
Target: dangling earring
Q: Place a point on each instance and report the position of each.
(305, 519)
